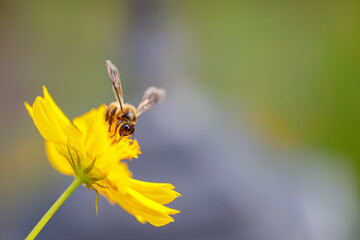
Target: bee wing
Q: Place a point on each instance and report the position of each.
(151, 97)
(116, 83)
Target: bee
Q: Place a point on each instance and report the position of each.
(125, 115)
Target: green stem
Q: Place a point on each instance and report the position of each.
(77, 182)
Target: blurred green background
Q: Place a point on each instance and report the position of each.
(289, 71)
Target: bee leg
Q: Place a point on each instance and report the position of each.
(133, 138)
(110, 117)
(119, 139)
(110, 122)
(116, 127)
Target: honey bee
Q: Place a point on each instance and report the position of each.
(124, 114)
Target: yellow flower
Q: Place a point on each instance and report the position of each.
(85, 148)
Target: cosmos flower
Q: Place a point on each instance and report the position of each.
(86, 150)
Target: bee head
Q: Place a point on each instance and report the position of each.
(126, 129)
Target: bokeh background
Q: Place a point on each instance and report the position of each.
(259, 132)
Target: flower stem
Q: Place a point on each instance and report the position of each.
(77, 182)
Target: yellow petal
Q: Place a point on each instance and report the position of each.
(159, 192)
(143, 217)
(140, 219)
(62, 120)
(51, 122)
(147, 205)
(138, 209)
(143, 207)
(46, 123)
(144, 201)
(120, 173)
(74, 136)
(29, 109)
(92, 125)
(157, 221)
(57, 158)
